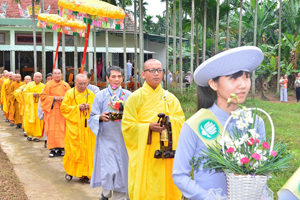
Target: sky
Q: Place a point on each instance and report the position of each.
(155, 7)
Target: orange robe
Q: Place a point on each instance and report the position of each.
(70, 80)
(55, 123)
(33, 125)
(92, 77)
(14, 113)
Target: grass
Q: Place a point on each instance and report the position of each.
(285, 117)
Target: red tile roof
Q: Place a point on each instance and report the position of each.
(13, 10)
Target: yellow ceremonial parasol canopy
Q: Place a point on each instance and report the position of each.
(61, 25)
(93, 12)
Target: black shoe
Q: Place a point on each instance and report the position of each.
(6, 120)
(18, 126)
(68, 177)
(52, 154)
(29, 138)
(103, 197)
(45, 145)
(36, 140)
(11, 124)
(84, 179)
(60, 153)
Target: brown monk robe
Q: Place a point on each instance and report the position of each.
(55, 123)
(14, 108)
(70, 79)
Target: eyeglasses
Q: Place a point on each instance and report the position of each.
(152, 70)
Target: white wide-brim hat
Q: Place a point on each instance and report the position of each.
(246, 58)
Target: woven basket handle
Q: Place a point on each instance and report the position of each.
(261, 110)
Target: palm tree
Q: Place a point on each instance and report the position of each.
(192, 40)
(124, 47)
(204, 32)
(148, 24)
(141, 41)
(63, 56)
(279, 47)
(240, 26)
(227, 30)
(180, 45)
(217, 26)
(43, 46)
(167, 43)
(254, 43)
(76, 58)
(135, 47)
(174, 42)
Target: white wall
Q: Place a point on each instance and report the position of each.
(159, 49)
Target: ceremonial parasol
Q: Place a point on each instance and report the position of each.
(95, 12)
(61, 25)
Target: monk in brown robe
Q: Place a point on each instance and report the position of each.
(55, 123)
(14, 112)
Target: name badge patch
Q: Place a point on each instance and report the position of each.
(208, 129)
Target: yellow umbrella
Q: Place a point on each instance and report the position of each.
(95, 12)
(61, 25)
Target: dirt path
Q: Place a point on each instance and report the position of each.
(41, 176)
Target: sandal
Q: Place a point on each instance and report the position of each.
(36, 140)
(29, 138)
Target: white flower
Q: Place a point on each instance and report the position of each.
(227, 140)
(253, 132)
(238, 143)
(255, 165)
(245, 138)
(236, 114)
(241, 124)
(263, 158)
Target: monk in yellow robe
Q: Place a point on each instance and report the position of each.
(10, 103)
(4, 95)
(55, 123)
(18, 93)
(33, 125)
(79, 139)
(2, 79)
(148, 177)
(14, 111)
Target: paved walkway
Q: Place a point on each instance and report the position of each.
(42, 177)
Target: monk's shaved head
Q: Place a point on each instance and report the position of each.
(81, 81)
(18, 77)
(151, 61)
(37, 77)
(37, 73)
(27, 79)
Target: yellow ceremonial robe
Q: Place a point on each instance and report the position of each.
(150, 178)
(4, 96)
(2, 79)
(33, 125)
(14, 113)
(20, 99)
(79, 139)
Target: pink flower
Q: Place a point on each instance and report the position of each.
(256, 156)
(265, 145)
(273, 153)
(251, 141)
(123, 93)
(257, 141)
(113, 87)
(230, 150)
(121, 98)
(114, 94)
(245, 160)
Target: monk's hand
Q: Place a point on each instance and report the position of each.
(155, 127)
(35, 94)
(56, 99)
(87, 106)
(105, 117)
(82, 107)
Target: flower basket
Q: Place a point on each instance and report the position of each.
(245, 186)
